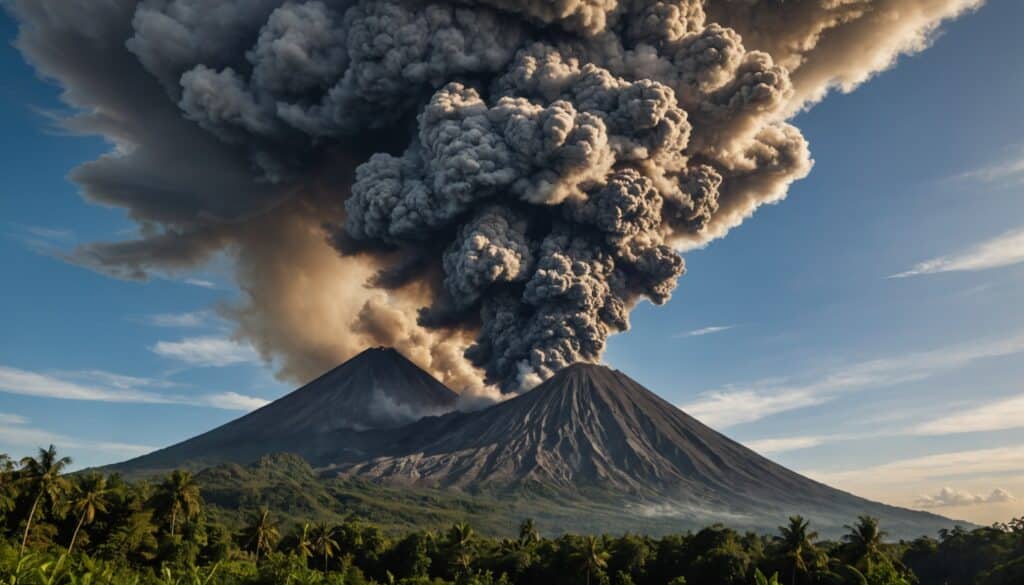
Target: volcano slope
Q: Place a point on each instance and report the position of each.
(597, 433)
(377, 389)
(588, 450)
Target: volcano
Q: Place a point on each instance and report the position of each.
(589, 432)
(593, 429)
(377, 389)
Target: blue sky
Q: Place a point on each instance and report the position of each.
(866, 331)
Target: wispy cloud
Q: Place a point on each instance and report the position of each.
(118, 381)
(12, 419)
(26, 383)
(994, 416)
(949, 497)
(107, 387)
(1005, 250)
(729, 407)
(1011, 169)
(200, 283)
(183, 320)
(1000, 415)
(15, 431)
(783, 444)
(735, 405)
(234, 401)
(976, 464)
(206, 351)
(41, 239)
(49, 233)
(705, 331)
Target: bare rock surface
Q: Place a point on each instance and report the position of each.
(377, 389)
(592, 429)
(588, 434)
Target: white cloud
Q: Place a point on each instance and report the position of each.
(41, 240)
(12, 419)
(193, 319)
(735, 405)
(995, 416)
(15, 432)
(49, 233)
(1005, 250)
(782, 444)
(705, 331)
(947, 497)
(118, 381)
(200, 283)
(999, 415)
(15, 381)
(727, 408)
(1011, 168)
(234, 401)
(206, 351)
(973, 463)
(112, 388)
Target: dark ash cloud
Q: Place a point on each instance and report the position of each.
(491, 186)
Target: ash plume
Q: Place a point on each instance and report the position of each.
(490, 186)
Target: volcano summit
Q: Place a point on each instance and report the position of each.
(377, 389)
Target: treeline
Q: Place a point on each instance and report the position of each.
(96, 530)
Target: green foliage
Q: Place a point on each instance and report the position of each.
(42, 479)
(323, 543)
(88, 497)
(864, 541)
(796, 544)
(96, 530)
(590, 558)
(260, 535)
(961, 557)
(884, 572)
(843, 575)
(1011, 573)
(178, 499)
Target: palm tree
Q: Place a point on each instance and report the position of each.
(591, 558)
(261, 534)
(865, 539)
(528, 533)
(322, 539)
(179, 495)
(796, 543)
(460, 538)
(7, 493)
(43, 476)
(303, 547)
(88, 496)
(460, 534)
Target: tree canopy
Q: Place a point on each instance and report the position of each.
(90, 528)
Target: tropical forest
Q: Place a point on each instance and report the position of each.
(90, 528)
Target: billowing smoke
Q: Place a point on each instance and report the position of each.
(490, 186)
